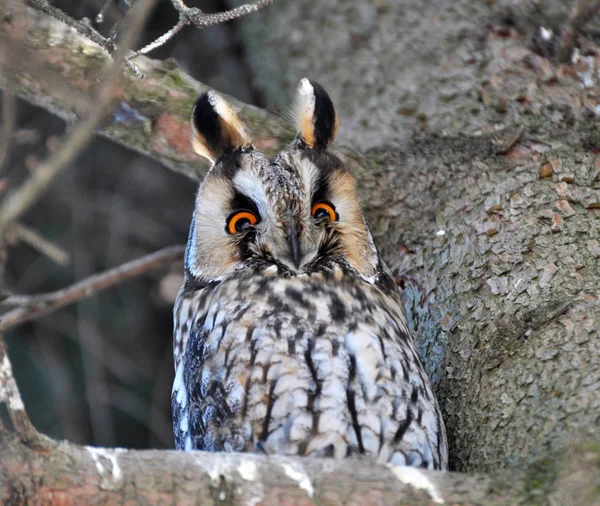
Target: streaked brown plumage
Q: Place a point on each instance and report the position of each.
(289, 332)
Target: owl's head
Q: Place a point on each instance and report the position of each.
(294, 214)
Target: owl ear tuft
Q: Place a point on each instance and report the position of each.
(216, 127)
(314, 114)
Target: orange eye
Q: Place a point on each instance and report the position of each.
(241, 221)
(324, 210)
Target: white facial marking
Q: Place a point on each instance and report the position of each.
(249, 185)
(309, 174)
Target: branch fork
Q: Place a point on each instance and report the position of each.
(187, 16)
(197, 17)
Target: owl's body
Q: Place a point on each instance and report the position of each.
(289, 331)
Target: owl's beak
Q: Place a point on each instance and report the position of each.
(294, 244)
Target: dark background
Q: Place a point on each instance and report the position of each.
(99, 372)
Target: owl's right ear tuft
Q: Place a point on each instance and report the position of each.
(314, 114)
(216, 127)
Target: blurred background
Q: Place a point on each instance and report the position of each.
(99, 372)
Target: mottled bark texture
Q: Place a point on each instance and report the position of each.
(501, 278)
(66, 474)
(391, 66)
(395, 67)
(488, 214)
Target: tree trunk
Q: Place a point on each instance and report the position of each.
(482, 184)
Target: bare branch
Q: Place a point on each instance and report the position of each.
(84, 29)
(41, 244)
(194, 16)
(163, 39)
(102, 13)
(11, 398)
(22, 198)
(87, 475)
(37, 306)
(201, 19)
(187, 16)
(583, 12)
(163, 131)
(108, 44)
(25, 62)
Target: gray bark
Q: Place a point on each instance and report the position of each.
(391, 66)
(63, 473)
(489, 214)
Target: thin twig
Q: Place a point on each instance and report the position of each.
(581, 14)
(201, 19)
(82, 28)
(108, 44)
(41, 244)
(41, 305)
(163, 39)
(22, 198)
(130, 7)
(100, 16)
(194, 16)
(118, 27)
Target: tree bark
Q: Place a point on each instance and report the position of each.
(54, 67)
(490, 216)
(482, 186)
(66, 474)
(391, 66)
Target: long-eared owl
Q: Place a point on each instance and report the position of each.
(289, 332)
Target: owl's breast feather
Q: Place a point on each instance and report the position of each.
(309, 368)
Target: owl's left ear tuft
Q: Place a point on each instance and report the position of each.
(216, 127)
(314, 114)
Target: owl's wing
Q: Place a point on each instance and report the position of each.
(179, 410)
(185, 329)
(199, 402)
(192, 407)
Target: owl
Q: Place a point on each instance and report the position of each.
(289, 332)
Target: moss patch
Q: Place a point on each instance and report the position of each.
(538, 481)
